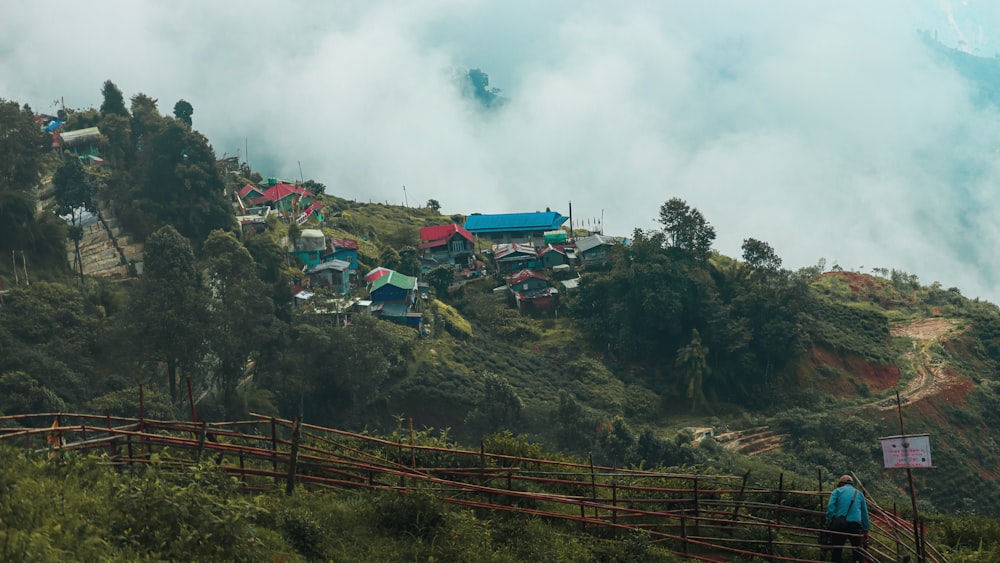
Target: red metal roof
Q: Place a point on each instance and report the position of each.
(443, 233)
(247, 189)
(505, 250)
(551, 248)
(336, 242)
(377, 273)
(525, 275)
(282, 190)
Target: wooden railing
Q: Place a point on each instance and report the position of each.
(702, 517)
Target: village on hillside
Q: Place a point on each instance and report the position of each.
(534, 256)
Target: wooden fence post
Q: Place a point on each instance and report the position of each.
(114, 449)
(274, 449)
(128, 442)
(413, 451)
(770, 541)
(781, 494)
(684, 534)
(614, 502)
(743, 489)
(293, 457)
(202, 435)
(593, 484)
(697, 532)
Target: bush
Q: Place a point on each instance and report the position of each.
(418, 514)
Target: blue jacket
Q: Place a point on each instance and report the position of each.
(840, 499)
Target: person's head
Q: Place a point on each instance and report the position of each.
(845, 480)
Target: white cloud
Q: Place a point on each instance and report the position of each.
(824, 129)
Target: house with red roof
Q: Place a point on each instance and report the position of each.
(447, 244)
(279, 196)
(553, 255)
(342, 249)
(509, 258)
(530, 291)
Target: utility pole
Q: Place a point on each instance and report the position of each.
(917, 539)
(406, 202)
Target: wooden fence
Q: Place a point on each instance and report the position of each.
(702, 517)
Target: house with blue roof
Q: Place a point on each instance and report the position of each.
(514, 227)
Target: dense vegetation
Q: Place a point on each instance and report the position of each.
(670, 335)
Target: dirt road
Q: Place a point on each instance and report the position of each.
(930, 377)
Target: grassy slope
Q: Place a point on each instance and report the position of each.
(854, 362)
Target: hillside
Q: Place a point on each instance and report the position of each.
(664, 354)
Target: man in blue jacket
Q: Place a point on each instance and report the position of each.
(850, 503)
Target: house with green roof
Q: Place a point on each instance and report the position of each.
(393, 294)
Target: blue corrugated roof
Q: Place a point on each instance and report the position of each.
(504, 222)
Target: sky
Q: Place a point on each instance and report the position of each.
(823, 128)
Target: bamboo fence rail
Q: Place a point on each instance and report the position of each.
(701, 517)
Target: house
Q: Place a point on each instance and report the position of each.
(509, 258)
(309, 246)
(279, 196)
(80, 141)
(69, 139)
(595, 249)
(254, 219)
(342, 249)
(376, 273)
(552, 255)
(252, 194)
(571, 284)
(334, 274)
(447, 244)
(527, 282)
(393, 294)
(514, 227)
(531, 292)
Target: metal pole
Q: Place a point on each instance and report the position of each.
(909, 478)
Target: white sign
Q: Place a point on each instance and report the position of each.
(900, 452)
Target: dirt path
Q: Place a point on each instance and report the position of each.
(930, 377)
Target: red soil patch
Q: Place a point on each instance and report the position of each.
(877, 377)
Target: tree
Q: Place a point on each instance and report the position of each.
(240, 309)
(51, 331)
(692, 360)
(146, 116)
(434, 205)
(760, 256)
(478, 86)
(314, 187)
(499, 406)
(409, 261)
(168, 313)
(441, 278)
(74, 191)
(114, 101)
(615, 443)
(22, 394)
(20, 148)
(179, 183)
(572, 427)
(686, 228)
(183, 111)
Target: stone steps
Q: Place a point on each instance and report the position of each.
(105, 248)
